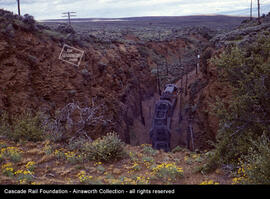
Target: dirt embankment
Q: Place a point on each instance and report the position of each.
(203, 90)
(113, 77)
(32, 77)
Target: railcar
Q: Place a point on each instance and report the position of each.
(160, 134)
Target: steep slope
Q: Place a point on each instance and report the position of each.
(204, 91)
(113, 89)
(111, 81)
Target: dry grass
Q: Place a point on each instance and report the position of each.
(138, 167)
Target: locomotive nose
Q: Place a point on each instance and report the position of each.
(160, 133)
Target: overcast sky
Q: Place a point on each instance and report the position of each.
(49, 9)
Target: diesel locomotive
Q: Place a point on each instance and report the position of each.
(160, 134)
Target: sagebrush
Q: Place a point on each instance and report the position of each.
(245, 116)
(106, 148)
(25, 126)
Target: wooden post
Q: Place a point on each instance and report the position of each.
(186, 83)
(250, 10)
(188, 137)
(191, 136)
(180, 107)
(167, 69)
(259, 15)
(19, 8)
(158, 82)
(69, 23)
(141, 108)
(198, 64)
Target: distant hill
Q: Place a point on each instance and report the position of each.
(214, 22)
(167, 19)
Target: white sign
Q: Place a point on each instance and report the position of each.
(71, 55)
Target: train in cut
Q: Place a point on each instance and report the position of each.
(160, 134)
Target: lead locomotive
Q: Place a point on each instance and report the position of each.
(160, 132)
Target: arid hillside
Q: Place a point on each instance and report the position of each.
(111, 81)
(55, 115)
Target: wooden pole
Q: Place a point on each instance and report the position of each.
(198, 64)
(180, 107)
(141, 107)
(250, 10)
(186, 83)
(191, 136)
(19, 9)
(69, 15)
(158, 82)
(167, 69)
(69, 23)
(259, 9)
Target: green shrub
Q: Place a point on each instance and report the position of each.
(106, 148)
(167, 171)
(23, 127)
(28, 127)
(149, 150)
(256, 163)
(54, 35)
(5, 128)
(243, 118)
(177, 149)
(15, 157)
(24, 176)
(77, 143)
(148, 160)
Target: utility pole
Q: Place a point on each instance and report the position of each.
(69, 15)
(180, 102)
(167, 68)
(250, 10)
(259, 15)
(186, 83)
(19, 9)
(158, 81)
(198, 63)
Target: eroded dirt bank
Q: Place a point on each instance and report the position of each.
(118, 80)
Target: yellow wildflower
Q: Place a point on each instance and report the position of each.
(18, 172)
(9, 164)
(210, 182)
(30, 164)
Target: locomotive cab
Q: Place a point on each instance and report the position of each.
(169, 92)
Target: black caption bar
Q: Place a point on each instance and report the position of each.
(124, 190)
